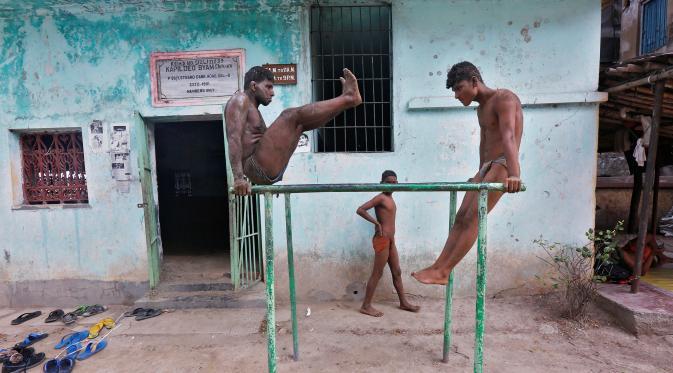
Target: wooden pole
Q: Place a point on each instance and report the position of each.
(636, 193)
(656, 77)
(655, 202)
(649, 182)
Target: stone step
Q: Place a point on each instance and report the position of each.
(200, 286)
(253, 297)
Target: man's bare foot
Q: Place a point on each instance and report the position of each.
(349, 88)
(409, 307)
(431, 276)
(371, 311)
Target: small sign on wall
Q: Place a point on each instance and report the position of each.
(283, 73)
(196, 78)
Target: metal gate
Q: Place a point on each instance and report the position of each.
(245, 234)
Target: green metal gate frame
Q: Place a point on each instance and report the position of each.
(453, 188)
(245, 234)
(149, 208)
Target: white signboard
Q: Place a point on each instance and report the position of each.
(196, 78)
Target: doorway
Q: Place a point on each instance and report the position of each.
(193, 204)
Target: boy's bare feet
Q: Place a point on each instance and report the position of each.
(349, 88)
(409, 307)
(371, 311)
(431, 276)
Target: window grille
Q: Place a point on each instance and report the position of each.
(53, 168)
(358, 38)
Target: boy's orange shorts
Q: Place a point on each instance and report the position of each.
(380, 243)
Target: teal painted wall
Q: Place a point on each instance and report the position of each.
(530, 47)
(65, 65)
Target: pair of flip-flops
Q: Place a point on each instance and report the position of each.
(72, 338)
(25, 317)
(89, 310)
(64, 365)
(75, 350)
(143, 313)
(71, 317)
(95, 329)
(22, 360)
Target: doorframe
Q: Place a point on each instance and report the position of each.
(147, 143)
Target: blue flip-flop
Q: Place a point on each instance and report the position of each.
(92, 348)
(71, 338)
(31, 339)
(73, 350)
(66, 365)
(51, 366)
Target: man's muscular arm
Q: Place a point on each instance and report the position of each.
(506, 108)
(236, 114)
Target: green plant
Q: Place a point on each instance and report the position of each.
(572, 268)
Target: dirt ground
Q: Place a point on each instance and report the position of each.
(523, 334)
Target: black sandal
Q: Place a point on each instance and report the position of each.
(55, 316)
(25, 317)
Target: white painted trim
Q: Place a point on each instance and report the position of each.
(448, 102)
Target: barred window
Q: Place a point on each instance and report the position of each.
(358, 38)
(53, 168)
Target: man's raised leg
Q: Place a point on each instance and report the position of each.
(280, 140)
(464, 232)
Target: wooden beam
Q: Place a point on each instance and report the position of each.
(649, 182)
(664, 74)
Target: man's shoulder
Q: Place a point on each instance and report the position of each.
(238, 100)
(505, 95)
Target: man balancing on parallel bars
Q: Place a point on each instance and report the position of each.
(261, 155)
(501, 123)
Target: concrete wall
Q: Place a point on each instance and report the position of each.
(67, 64)
(526, 46)
(64, 65)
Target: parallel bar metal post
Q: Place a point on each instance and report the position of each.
(290, 270)
(270, 294)
(649, 181)
(481, 284)
(233, 219)
(449, 287)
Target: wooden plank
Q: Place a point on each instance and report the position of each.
(649, 182)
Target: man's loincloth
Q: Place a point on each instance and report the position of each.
(257, 175)
(487, 165)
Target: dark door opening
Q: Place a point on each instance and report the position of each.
(193, 210)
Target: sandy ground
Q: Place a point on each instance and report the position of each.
(523, 334)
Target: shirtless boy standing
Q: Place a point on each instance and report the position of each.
(385, 250)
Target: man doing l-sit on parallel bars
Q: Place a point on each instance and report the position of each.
(262, 154)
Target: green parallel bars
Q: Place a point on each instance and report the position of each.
(267, 190)
(481, 283)
(449, 287)
(290, 270)
(270, 293)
